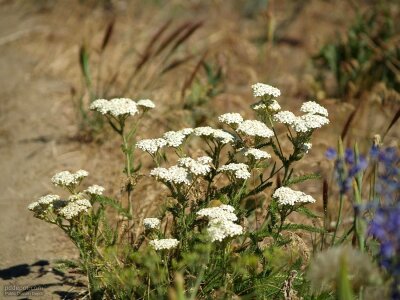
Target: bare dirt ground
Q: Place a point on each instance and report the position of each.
(39, 45)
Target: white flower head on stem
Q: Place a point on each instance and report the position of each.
(174, 174)
(286, 196)
(68, 179)
(262, 90)
(314, 108)
(151, 145)
(174, 138)
(240, 170)
(309, 122)
(221, 222)
(197, 167)
(115, 107)
(48, 199)
(256, 153)
(223, 212)
(74, 209)
(164, 244)
(151, 223)
(231, 118)
(255, 128)
(219, 229)
(95, 190)
(285, 117)
(146, 104)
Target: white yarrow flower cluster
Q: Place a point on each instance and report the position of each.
(151, 145)
(115, 107)
(176, 138)
(220, 135)
(255, 128)
(314, 108)
(286, 196)
(95, 190)
(274, 106)
(164, 244)
(146, 103)
(222, 212)
(240, 170)
(285, 117)
(151, 223)
(197, 167)
(315, 117)
(261, 90)
(231, 118)
(256, 153)
(68, 179)
(74, 209)
(221, 222)
(48, 199)
(174, 174)
(309, 122)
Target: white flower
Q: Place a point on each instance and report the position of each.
(151, 145)
(164, 244)
(146, 103)
(314, 108)
(116, 107)
(83, 202)
(75, 197)
(81, 174)
(95, 190)
(218, 134)
(306, 147)
(220, 225)
(186, 131)
(33, 206)
(255, 128)
(230, 118)
(309, 122)
(259, 106)
(100, 105)
(48, 199)
(261, 90)
(204, 160)
(196, 167)
(256, 153)
(286, 196)
(204, 131)
(74, 209)
(285, 117)
(223, 212)
(68, 179)
(218, 229)
(151, 223)
(223, 137)
(174, 174)
(239, 169)
(174, 138)
(274, 106)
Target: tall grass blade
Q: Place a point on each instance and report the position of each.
(107, 35)
(394, 120)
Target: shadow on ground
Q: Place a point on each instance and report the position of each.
(62, 284)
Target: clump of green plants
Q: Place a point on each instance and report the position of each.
(209, 237)
(135, 72)
(367, 55)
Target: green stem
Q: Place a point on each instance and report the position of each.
(339, 219)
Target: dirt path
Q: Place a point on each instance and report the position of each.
(31, 127)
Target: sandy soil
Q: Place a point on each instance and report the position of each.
(39, 44)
